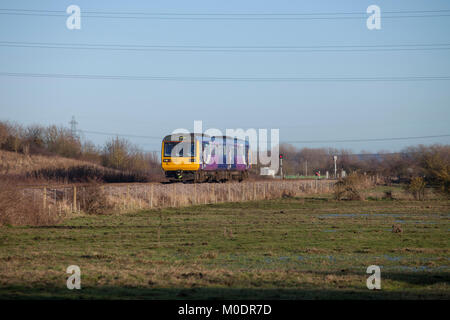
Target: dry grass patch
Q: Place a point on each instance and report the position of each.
(18, 208)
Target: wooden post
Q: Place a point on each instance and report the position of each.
(264, 191)
(151, 196)
(74, 198)
(174, 193)
(195, 193)
(84, 199)
(45, 198)
(229, 192)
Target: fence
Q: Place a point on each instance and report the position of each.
(147, 196)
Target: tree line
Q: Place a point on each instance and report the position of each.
(116, 153)
(430, 163)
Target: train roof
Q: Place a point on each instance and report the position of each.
(183, 134)
(202, 136)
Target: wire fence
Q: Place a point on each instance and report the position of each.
(125, 197)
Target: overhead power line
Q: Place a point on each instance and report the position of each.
(200, 48)
(225, 79)
(370, 140)
(229, 16)
(303, 141)
(117, 134)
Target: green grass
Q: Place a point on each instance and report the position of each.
(297, 248)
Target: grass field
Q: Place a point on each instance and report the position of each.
(295, 248)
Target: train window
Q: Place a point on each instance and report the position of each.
(179, 149)
(206, 155)
(241, 154)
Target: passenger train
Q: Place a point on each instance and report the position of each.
(200, 158)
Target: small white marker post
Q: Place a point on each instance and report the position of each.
(335, 167)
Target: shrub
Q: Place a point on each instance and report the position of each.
(436, 164)
(287, 194)
(60, 141)
(86, 173)
(349, 187)
(95, 201)
(116, 154)
(388, 195)
(17, 208)
(3, 133)
(417, 188)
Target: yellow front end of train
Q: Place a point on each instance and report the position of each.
(179, 158)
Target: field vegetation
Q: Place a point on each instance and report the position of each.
(258, 239)
(296, 247)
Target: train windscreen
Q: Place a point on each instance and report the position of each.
(179, 149)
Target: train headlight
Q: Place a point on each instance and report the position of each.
(166, 160)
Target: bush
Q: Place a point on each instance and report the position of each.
(3, 133)
(95, 201)
(417, 188)
(388, 195)
(288, 194)
(436, 165)
(17, 208)
(86, 174)
(349, 187)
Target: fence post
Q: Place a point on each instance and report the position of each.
(74, 198)
(195, 193)
(151, 196)
(174, 193)
(229, 192)
(45, 198)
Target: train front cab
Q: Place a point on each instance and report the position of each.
(183, 166)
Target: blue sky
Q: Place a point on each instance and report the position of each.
(301, 110)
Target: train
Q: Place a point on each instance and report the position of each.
(195, 157)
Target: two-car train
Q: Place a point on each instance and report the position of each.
(201, 158)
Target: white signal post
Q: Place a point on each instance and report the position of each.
(281, 166)
(335, 167)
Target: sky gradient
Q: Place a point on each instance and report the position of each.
(301, 110)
